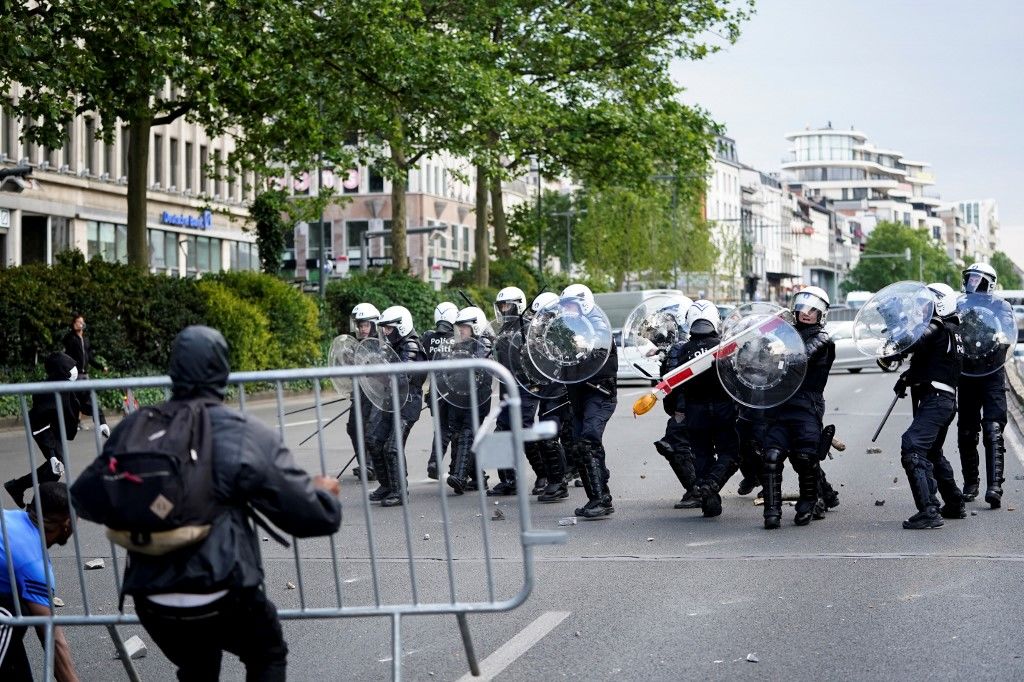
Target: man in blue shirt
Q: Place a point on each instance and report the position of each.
(33, 580)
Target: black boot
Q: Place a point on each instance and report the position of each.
(398, 487)
(952, 496)
(687, 501)
(994, 452)
(16, 488)
(829, 495)
(506, 484)
(919, 476)
(554, 466)
(592, 475)
(807, 478)
(375, 450)
(461, 461)
(967, 442)
(536, 460)
(435, 456)
(771, 488)
(710, 500)
(682, 466)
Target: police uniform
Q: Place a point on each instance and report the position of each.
(674, 446)
(437, 343)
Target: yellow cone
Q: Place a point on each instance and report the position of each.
(644, 404)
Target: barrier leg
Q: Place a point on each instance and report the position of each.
(396, 647)
(467, 641)
(126, 661)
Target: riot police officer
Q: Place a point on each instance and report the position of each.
(593, 403)
(364, 324)
(932, 378)
(437, 342)
(396, 328)
(793, 429)
(470, 328)
(982, 402)
(554, 406)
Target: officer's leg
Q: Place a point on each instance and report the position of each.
(992, 425)
(675, 448)
(726, 445)
(968, 427)
(594, 410)
(750, 453)
(771, 480)
(805, 464)
(506, 477)
(929, 419)
(554, 465)
(945, 480)
(436, 455)
(398, 467)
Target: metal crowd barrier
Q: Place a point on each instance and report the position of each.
(394, 587)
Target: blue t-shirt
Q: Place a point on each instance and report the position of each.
(31, 565)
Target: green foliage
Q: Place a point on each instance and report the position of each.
(292, 316)
(270, 228)
(928, 260)
(243, 324)
(383, 290)
(1006, 271)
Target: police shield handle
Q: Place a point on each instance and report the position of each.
(702, 363)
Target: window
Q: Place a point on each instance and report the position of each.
(158, 160)
(163, 250)
(437, 180)
(69, 140)
(90, 146)
(376, 180)
(108, 241)
(244, 256)
(7, 132)
(354, 230)
(189, 165)
(466, 244)
(204, 161)
(108, 160)
(173, 180)
(218, 167)
(204, 255)
(428, 175)
(936, 232)
(125, 137)
(318, 232)
(455, 240)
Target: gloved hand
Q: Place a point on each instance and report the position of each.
(104, 430)
(889, 364)
(900, 388)
(57, 466)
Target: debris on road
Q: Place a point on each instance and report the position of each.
(577, 634)
(266, 539)
(498, 515)
(643, 476)
(874, 451)
(650, 539)
(1011, 509)
(895, 479)
(879, 503)
(426, 536)
(567, 521)
(1018, 477)
(94, 564)
(752, 658)
(289, 585)
(135, 647)
(974, 513)
(58, 602)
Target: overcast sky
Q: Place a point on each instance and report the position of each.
(939, 80)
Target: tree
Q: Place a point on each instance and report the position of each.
(928, 260)
(270, 228)
(1006, 271)
(144, 63)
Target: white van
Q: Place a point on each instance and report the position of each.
(857, 299)
(617, 305)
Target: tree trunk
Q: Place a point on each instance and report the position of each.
(501, 245)
(483, 242)
(138, 176)
(399, 247)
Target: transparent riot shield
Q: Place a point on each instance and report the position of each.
(893, 319)
(459, 387)
(657, 323)
(374, 351)
(342, 354)
(766, 369)
(747, 314)
(567, 345)
(989, 332)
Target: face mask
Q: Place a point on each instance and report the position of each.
(74, 374)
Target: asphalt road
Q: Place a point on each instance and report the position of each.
(650, 593)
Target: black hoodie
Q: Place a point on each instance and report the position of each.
(44, 407)
(251, 466)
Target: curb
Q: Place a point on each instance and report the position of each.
(1016, 385)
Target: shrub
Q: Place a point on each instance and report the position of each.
(243, 324)
(383, 290)
(292, 316)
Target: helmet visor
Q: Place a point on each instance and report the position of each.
(975, 283)
(805, 303)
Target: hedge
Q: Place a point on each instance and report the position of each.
(383, 290)
(133, 316)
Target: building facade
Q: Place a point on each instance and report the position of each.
(76, 198)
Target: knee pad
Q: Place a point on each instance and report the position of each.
(773, 460)
(912, 460)
(803, 461)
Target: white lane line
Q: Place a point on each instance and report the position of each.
(517, 646)
(1018, 449)
(305, 423)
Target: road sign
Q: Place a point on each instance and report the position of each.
(341, 265)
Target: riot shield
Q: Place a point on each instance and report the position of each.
(747, 314)
(657, 323)
(989, 331)
(567, 345)
(342, 354)
(510, 351)
(459, 387)
(374, 351)
(893, 319)
(766, 368)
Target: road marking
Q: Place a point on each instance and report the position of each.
(305, 423)
(1018, 449)
(517, 646)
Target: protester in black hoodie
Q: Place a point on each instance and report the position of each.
(200, 601)
(77, 346)
(44, 421)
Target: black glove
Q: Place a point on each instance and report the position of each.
(900, 388)
(889, 364)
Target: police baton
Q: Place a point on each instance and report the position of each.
(886, 417)
(343, 413)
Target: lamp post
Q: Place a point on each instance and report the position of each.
(571, 213)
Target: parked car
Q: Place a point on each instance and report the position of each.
(848, 356)
(635, 363)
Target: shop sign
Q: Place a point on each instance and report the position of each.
(201, 222)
